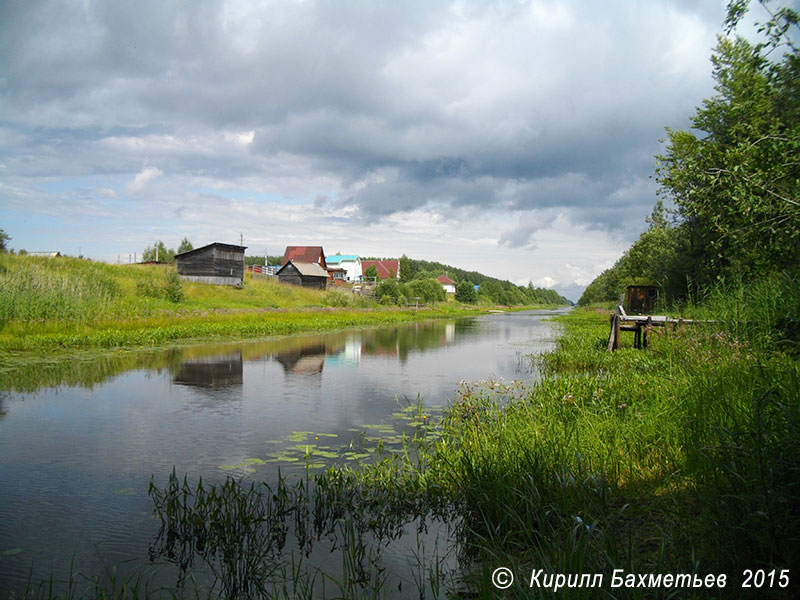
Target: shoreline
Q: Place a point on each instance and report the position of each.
(67, 358)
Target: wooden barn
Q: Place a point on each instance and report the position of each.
(641, 298)
(220, 264)
(310, 275)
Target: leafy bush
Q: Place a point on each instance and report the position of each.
(465, 292)
(337, 298)
(387, 288)
(429, 290)
(170, 288)
(173, 286)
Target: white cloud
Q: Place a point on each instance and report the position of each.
(143, 177)
(545, 282)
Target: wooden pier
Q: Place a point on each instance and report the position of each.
(640, 325)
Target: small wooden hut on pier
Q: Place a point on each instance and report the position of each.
(641, 298)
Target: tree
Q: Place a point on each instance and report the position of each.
(429, 290)
(185, 246)
(492, 290)
(736, 187)
(465, 292)
(4, 238)
(158, 252)
(407, 269)
(371, 273)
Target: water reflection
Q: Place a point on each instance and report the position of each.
(308, 355)
(298, 354)
(212, 372)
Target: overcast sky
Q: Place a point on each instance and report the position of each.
(513, 138)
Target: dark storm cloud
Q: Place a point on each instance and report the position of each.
(508, 106)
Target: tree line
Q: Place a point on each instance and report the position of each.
(728, 203)
(418, 278)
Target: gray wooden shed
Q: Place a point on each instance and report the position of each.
(217, 263)
(309, 275)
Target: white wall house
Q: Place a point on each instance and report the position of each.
(448, 284)
(351, 263)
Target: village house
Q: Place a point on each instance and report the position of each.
(448, 284)
(387, 269)
(305, 254)
(351, 263)
(217, 263)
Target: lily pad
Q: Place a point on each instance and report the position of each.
(245, 465)
(356, 455)
(12, 551)
(299, 436)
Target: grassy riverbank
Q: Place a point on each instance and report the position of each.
(680, 459)
(69, 304)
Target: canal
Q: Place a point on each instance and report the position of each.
(78, 447)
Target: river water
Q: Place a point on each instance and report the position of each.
(80, 439)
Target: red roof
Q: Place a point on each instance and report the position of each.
(385, 268)
(305, 254)
(445, 280)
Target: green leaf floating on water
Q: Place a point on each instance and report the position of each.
(125, 492)
(381, 428)
(301, 436)
(283, 457)
(356, 455)
(12, 551)
(316, 451)
(245, 464)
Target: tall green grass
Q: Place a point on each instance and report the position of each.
(67, 303)
(37, 289)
